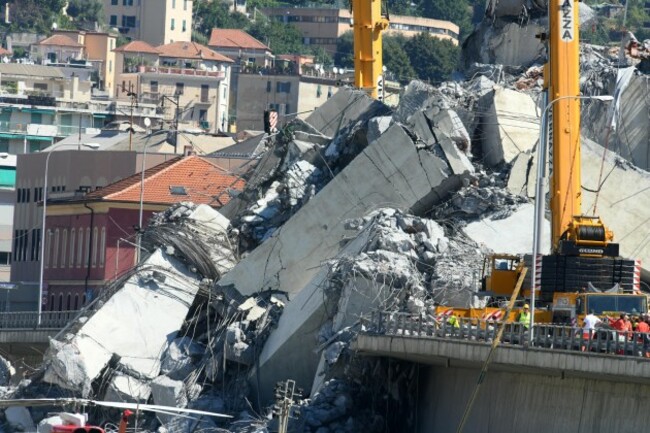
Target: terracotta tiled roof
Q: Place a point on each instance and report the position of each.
(4, 52)
(60, 41)
(234, 38)
(191, 50)
(137, 47)
(200, 180)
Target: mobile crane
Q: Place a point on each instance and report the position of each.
(583, 271)
(368, 23)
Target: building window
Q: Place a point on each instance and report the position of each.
(110, 66)
(64, 247)
(113, 20)
(61, 302)
(72, 245)
(76, 302)
(68, 302)
(102, 248)
(184, 28)
(4, 145)
(37, 118)
(268, 87)
(87, 248)
(127, 2)
(80, 247)
(173, 4)
(94, 247)
(153, 87)
(173, 24)
(114, 2)
(55, 258)
(48, 246)
(184, 5)
(180, 88)
(205, 92)
(128, 21)
(283, 87)
(16, 240)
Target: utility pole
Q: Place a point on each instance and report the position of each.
(286, 396)
(177, 116)
(134, 102)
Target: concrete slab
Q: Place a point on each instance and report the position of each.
(136, 311)
(509, 126)
(518, 179)
(458, 161)
(513, 234)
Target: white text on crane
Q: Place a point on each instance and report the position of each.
(566, 28)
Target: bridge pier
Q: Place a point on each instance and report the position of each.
(512, 401)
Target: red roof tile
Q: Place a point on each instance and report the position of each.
(234, 38)
(60, 41)
(5, 52)
(137, 47)
(190, 50)
(202, 181)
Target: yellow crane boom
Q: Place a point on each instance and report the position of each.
(368, 23)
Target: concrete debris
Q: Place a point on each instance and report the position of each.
(134, 311)
(352, 210)
(6, 372)
(168, 392)
(19, 419)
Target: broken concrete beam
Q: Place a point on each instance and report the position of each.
(458, 161)
(389, 170)
(450, 124)
(518, 179)
(128, 389)
(509, 125)
(504, 42)
(343, 109)
(168, 392)
(135, 311)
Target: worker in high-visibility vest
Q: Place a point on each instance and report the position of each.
(453, 321)
(524, 317)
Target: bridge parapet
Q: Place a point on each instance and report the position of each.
(563, 350)
(29, 320)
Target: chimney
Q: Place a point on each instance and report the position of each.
(188, 151)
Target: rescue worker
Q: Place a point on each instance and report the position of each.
(622, 324)
(453, 323)
(590, 322)
(643, 336)
(524, 317)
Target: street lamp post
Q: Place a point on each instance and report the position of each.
(540, 196)
(42, 255)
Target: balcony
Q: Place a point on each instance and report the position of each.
(32, 130)
(163, 70)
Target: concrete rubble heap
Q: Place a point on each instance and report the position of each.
(356, 208)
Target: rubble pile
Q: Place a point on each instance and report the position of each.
(355, 209)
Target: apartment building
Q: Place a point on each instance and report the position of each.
(321, 27)
(90, 51)
(7, 198)
(40, 105)
(188, 80)
(157, 22)
(71, 173)
(287, 94)
(240, 47)
(89, 238)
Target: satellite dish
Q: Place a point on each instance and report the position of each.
(384, 68)
(147, 122)
(335, 70)
(55, 26)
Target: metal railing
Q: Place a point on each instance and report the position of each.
(180, 71)
(550, 337)
(29, 320)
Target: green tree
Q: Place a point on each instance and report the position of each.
(323, 57)
(36, 15)
(259, 4)
(281, 38)
(344, 55)
(395, 58)
(211, 14)
(86, 10)
(432, 59)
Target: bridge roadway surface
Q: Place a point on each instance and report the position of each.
(552, 386)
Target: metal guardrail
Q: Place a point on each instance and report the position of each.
(28, 320)
(549, 337)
